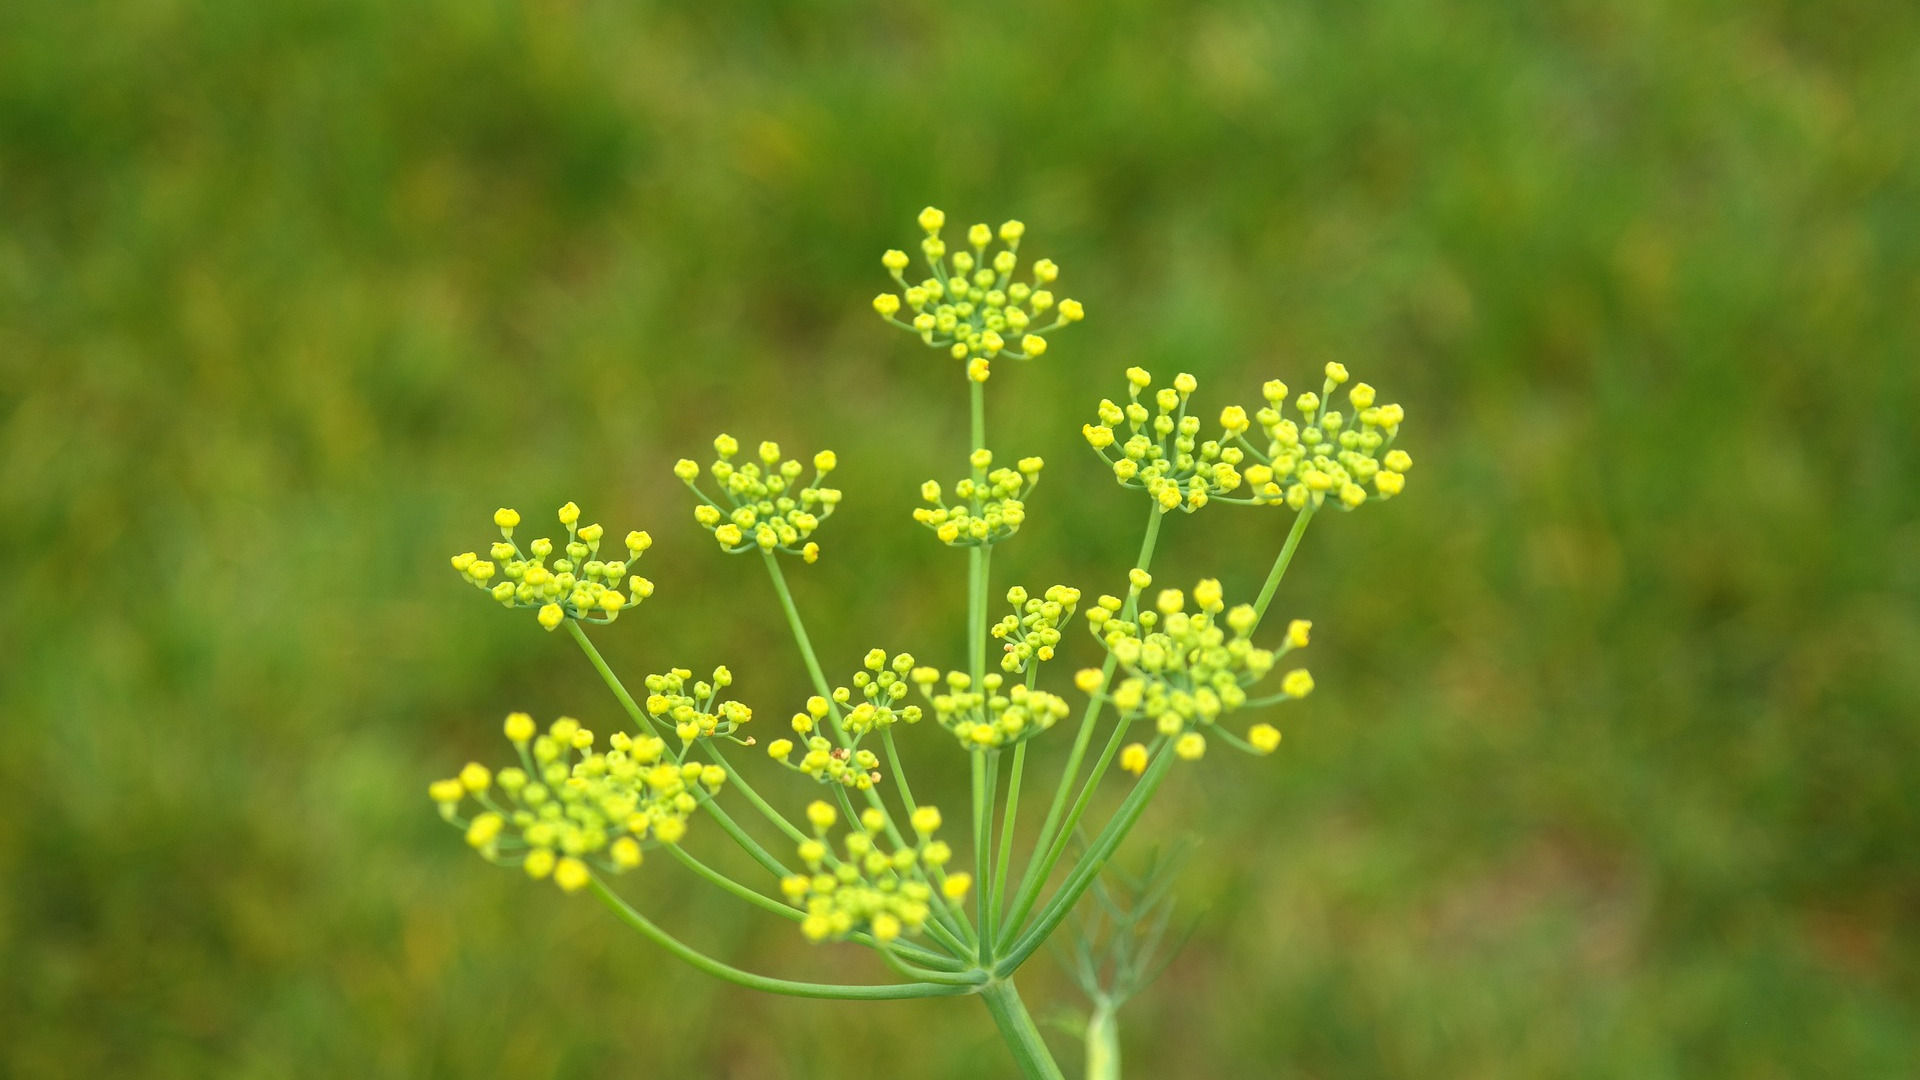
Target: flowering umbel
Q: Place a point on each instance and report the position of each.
(970, 306)
(579, 585)
(762, 504)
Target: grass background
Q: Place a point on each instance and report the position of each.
(1612, 769)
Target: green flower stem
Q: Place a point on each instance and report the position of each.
(1103, 1044)
(1017, 1027)
(1091, 863)
(766, 983)
(821, 687)
(982, 853)
(1039, 866)
(1006, 825)
(1060, 841)
(639, 716)
(966, 977)
(793, 914)
(1280, 565)
(732, 828)
(940, 902)
(739, 782)
(740, 836)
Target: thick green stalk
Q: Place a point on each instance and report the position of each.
(1088, 868)
(1040, 865)
(767, 983)
(1018, 1029)
(1280, 565)
(1103, 1044)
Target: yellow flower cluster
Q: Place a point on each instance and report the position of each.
(1032, 631)
(579, 584)
(695, 711)
(970, 306)
(568, 809)
(985, 717)
(1185, 670)
(1324, 454)
(990, 509)
(864, 886)
(765, 507)
(880, 686)
(1163, 454)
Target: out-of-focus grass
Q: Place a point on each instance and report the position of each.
(1611, 771)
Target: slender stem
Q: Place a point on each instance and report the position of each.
(982, 854)
(746, 841)
(739, 782)
(1039, 865)
(957, 919)
(634, 711)
(1006, 826)
(1022, 1035)
(964, 977)
(1091, 863)
(767, 983)
(1280, 565)
(1103, 1044)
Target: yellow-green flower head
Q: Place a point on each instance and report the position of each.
(1032, 633)
(580, 584)
(858, 887)
(988, 507)
(1322, 456)
(1184, 670)
(972, 306)
(694, 709)
(875, 701)
(567, 810)
(762, 505)
(989, 716)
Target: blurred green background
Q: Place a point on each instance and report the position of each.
(1612, 771)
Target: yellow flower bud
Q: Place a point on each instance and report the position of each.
(1184, 383)
(686, 469)
(825, 461)
(506, 518)
(446, 791)
(1170, 601)
(1264, 737)
(1234, 419)
(978, 370)
(1139, 377)
(539, 863)
(956, 885)
(1208, 594)
(894, 260)
(1099, 436)
(484, 830)
(551, 616)
(980, 235)
(1389, 483)
(1191, 747)
(1353, 494)
(1139, 579)
(1397, 460)
(1045, 271)
(1361, 395)
(519, 727)
(625, 853)
(931, 219)
(1033, 345)
(811, 553)
(926, 820)
(728, 535)
(821, 814)
(1088, 679)
(1012, 230)
(886, 304)
(1071, 311)
(1297, 632)
(569, 513)
(1391, 415)
(476, 777)
(571, 874)
(725, 445)
(1336, 373)
(1134, 758)
(464, 561)
(1297, 683)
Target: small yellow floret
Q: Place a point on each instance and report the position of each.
(1134, 758)
(1297, 683)
(625, 853)
(551, 615)
(1191, 747)
(1088, 679)
(519, 727)
(956, 885)
(1264, 737)
(821, 814)
(539, 863)
(506, 518)
(571, 874)
(476, 777)
(926, 820)
(569, 513)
